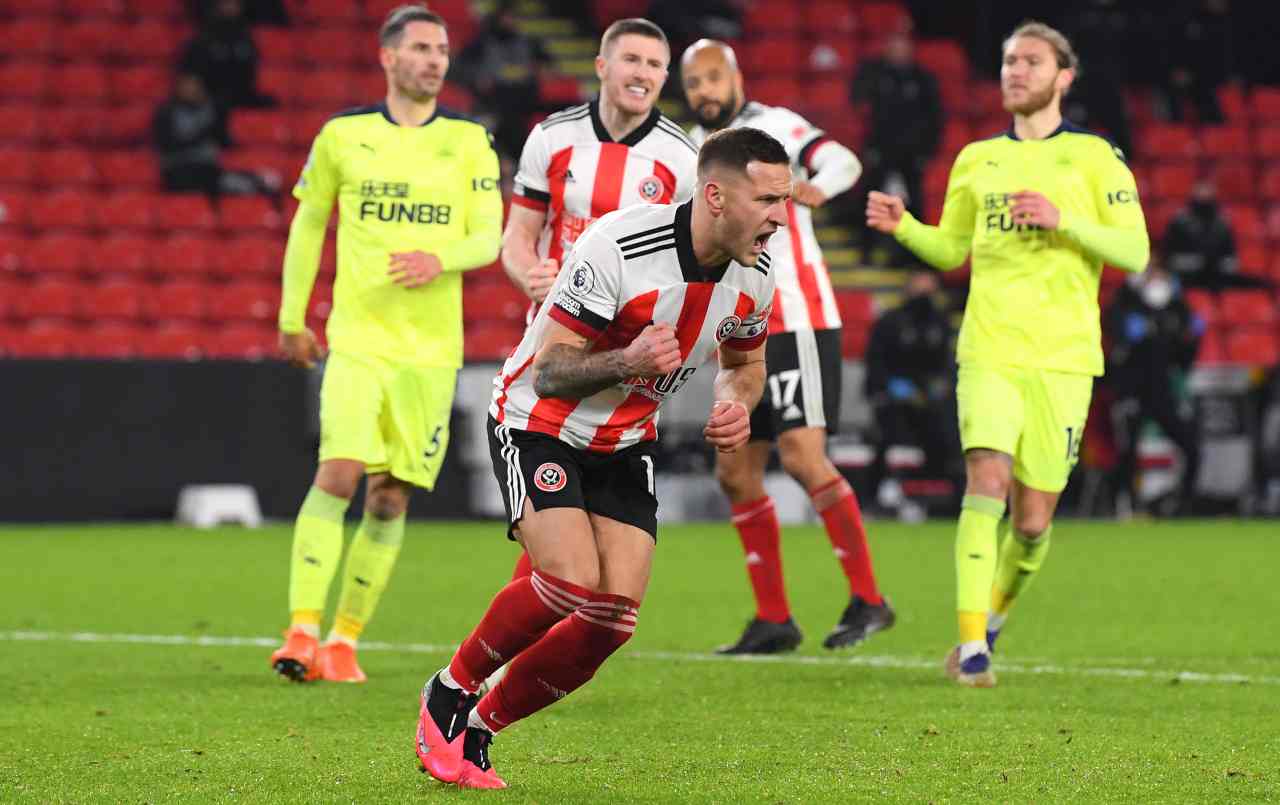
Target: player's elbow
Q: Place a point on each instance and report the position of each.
(1141, 254)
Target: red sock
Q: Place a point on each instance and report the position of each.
(838, 505)
(519, 614)
(524, 566)
(757, 524)
(562, 661)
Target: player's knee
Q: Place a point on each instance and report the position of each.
(987, 477)
(339, 484)
(735, 481)
(386, 505)
(576, 570)
(1032, 525)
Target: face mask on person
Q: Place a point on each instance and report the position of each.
(1203, 208)
(1157, 292)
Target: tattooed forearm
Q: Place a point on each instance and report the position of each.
(571, 373)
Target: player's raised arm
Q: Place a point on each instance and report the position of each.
(528, 215)
(944, 246)
(483, 211)
(315, 191)
(1119, 236)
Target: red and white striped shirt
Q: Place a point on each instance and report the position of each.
(572, 170)
(631, 268)
(804, 299)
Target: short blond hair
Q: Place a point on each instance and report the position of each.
(1066, 55)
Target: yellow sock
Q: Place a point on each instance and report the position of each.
(1020, 560)
(370, 560)
(975, 563)
(317, 548)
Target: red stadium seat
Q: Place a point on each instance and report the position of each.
(188, 254)
(853, 342)
(491, 341)
(944, 57)
(333, 12)
(553, 90)
(827, 95)
(13, 255)
(1172, 181)
(17, 165)
(156, 9)
(1213, 349)
(173, 339)
(307, 124)
(15, 208)
(493, 301)
(1203, 304)
(245, 301)
(59, 254)
(1158, 216)
(89, 39)
(330, 47)
(770, 17)
(331, 89)
(24, 80)
(110, 340)
(115, 299)
(189, 212)
(1245, 220)
(62, 209)
(773, 57)
(880, 19)
(1248, 307)
(65, 125)
(1269, 185)
(1255, 346)
(776, 91)
(76, 82)
(830, 17)
(1237, 180)
(31, 37)
(21, 124)
(279, 47)
(251, 256)
(242, 342)
(857, 308)
(120, 170)
(48, 298)
(180, 299)
(130, 210)
(1252, 256)
(34, 8)
(283, 165)
(124, 254)
(146, 85)
(1225, 141)
(281, 82)
(1234, 105)
(48, 339)
(267, 127)
(63, 166)
(1169, 142)
(603, 12)
(1265, 102)
(241, 213)
(155, 40)
(1266, 142)
(321, 303)
(128, 125)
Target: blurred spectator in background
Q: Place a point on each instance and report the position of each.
(906, 121)
(189, 132)
(686, 21)
(1199, 248)
(259, 12)
(225, 57)
(1153, 338)
(911, 378)
(1198, 46)
(501, 66)
(1103, 33)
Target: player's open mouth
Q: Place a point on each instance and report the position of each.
(639, 92)
(760, 242)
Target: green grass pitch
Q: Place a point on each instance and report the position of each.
(1143, 666)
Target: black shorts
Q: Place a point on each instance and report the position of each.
(550, 474)
(802, 389)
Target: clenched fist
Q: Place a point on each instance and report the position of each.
(884, 212)
(729, 425)
(653, 353)
(541, 278)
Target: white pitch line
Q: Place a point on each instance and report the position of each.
(856, 660)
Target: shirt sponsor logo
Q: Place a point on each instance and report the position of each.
(550, 477)
(1122, 197)
(484, 183)
(373, 188)
(399, 212)
(571, 227)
